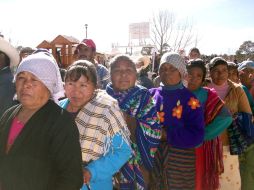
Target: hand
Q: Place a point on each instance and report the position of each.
(132, 125)
(163, 134)
(87, 176)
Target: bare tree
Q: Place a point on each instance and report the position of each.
(168, 33)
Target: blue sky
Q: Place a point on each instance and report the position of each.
(221, 25)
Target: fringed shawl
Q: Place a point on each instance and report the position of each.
(98, 122)
(209, 162)
(139, 104)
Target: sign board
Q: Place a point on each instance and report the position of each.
(139, 30)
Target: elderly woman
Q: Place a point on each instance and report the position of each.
(104, 136)
(140, 112)
(236, 101)
(39, 146)
(182, 118)
(209, 163)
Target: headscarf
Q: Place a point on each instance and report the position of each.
(138, 103)
(45, 68)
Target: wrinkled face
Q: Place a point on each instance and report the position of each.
(123, 76)
(85, 53)
(247, 77)
(195, 76)
(79, 92)
(219, 74)
(31, 92)
(169, 74)
(233, 75)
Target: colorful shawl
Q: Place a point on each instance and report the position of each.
(209, 162)
(139, 104)
(240, 133)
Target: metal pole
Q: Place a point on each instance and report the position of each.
(86, 25)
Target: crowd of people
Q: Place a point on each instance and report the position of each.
(93, 127)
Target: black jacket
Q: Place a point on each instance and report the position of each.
(45, 156)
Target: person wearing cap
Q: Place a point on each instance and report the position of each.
(141, 117)
(143, 67)
(233, 75)
(39, 141)
(182, 119)
(87, 50)
(246, 75)
(217, 119)
(9, 58)
(233, 141)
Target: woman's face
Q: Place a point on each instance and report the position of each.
(79, 92)
(123, 76)
(169, 74)
(31, 92)
(195, 76)
(194, 55)
(233, 75)
(219, 74)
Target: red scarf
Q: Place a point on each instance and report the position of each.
(209, 162)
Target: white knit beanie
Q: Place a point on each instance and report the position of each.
(176, 60)
(45, 68)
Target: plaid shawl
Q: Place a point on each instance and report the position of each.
(138, 103)
(98, 122)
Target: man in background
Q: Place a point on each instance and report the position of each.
(87, 50)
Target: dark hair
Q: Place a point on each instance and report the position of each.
(81, 68)
(199, 63)
(63, 73)
(194, 49)
(7, 60)
(28, 50)
(119, 58)
(232, 65)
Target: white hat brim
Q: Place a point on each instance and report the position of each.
(10, 51)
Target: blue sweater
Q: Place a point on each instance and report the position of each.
(106, 166)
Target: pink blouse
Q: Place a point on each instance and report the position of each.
(16, 128)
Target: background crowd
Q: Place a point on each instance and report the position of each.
(188, 125)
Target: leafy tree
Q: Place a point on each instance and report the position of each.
(245, 51)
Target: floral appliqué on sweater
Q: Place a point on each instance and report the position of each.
(194, 103)
(178, 110)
